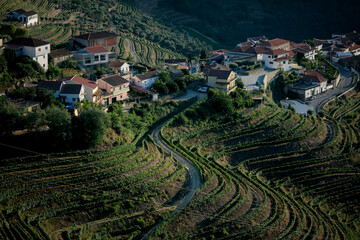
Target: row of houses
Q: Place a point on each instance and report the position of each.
(105, 91)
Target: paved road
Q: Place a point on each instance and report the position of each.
(345, 84)
(193, 174)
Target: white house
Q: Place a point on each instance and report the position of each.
(29, 18)
(277, 59)
(72, 93)
(312, 84)
(53, 86)
(354, 49)
(122, 66)
(304, 50)
(36, 49)
(145, 80)
(91, 57)
(92, 91)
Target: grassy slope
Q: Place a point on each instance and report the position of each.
(234, 21)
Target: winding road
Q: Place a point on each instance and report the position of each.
(193, 173)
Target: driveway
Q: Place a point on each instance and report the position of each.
(345, 84)
(250, 81)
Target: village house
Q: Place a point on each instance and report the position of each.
(59, 56)
(92, 91)
(176, 63)
(222, 79)
(276, 44)
(145, 80)
(28, 18)
(93, 57)
(52, 86)
(72, 93)
(277, 59)
(120, 66)
(304, 50)
(115, 88)
(354, 49)
(257, 40)
(104, 39)
(36, 49)
(312, 84)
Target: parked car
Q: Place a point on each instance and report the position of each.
(203, 89)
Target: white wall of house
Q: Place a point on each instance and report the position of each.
(270, 62)
(147, 84)
(73, 98)
(89, 92)
(310, 55)
(356, 52)
(39, 54)
(29, 21)
(125, 67)
(90, 59)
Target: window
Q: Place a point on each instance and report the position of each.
(87, 60)
(269, 56)
(284, 62)
(121, 96)
(39, 49)
(271, 62)
(44, 56)
(74, 99)
(101, 41)
(103, 57)
(46, 48)
(37, 58)
(44, 65)
(96, 58)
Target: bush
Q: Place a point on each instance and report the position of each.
(220, 101)
(173, 87)
(160, 87)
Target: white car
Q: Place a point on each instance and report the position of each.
(203, 89)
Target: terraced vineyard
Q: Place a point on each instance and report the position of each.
(78, 196)
(269, 174)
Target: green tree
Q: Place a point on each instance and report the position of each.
(181, 83)
(220, 101)
(10, 117)
(173, 87)
(5, 79)
(90, 127)
(59, 121)
(203, 55)
(69, 63)
(164, 77)
(160, 87)
(35, 119)
(21, 33)
(53, 72)
(116, 108)
(310, 112)
(7, 29)
(3, 64)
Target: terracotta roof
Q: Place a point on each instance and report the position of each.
(71, 89)
(352, 59)
(314, 76)
(81, 80)
(96, 35)
(354, 47)
(241, 49)
(220, 74)
(62, 52)
(276, 52)
(115, 80)
(115, 64)
(141, 89)
(148, 75)
(275, 42)
(29, 42)
(182, 67)
(283, 58)
(50, 85)
(99, 49)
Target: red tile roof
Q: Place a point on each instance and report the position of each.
(276, 52)
(275, 42)
(115, 64)
(220, 74)
(314, 76)
(96, 35)
(354, 47)
(80, 80)
(96, 49)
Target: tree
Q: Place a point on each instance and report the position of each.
(116, 108)
(10, 117)
(89, 128)
(203, 55)
(7, 30)
(310, 112)
(69, 63)
(220, 101)
(173, 87)
(239, 83)
(35, 119)
(181, 83)
(160, 87)
(5, 79)
(53, 72)
(164, 77)
(233, 65)
(59, 122)
(3, 64)
(21, 33)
